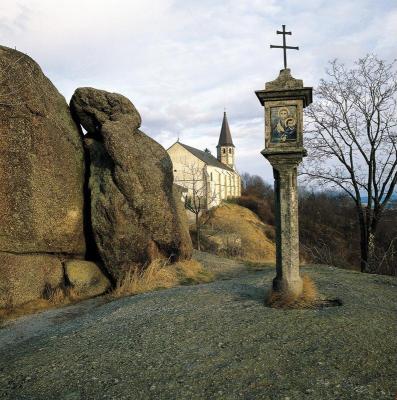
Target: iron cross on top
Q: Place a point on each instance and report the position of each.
(284, 46)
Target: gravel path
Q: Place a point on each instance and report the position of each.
(213, 341)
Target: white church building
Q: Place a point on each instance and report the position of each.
(202, 175)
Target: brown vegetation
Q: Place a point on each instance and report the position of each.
(261, 207)
(236, 232)
(330, 234)
(352, 143)
(51, 298)
(329, 231)
(161, 275)
(258, 196)
(308, 299)
(158, 275)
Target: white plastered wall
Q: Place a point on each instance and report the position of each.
(220, 183)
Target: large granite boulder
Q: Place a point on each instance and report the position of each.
(41, 182)
(41, 163)
(25, 278)
(133, 210)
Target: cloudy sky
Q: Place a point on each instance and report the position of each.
(181, 62)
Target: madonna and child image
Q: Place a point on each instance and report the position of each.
(283, 122)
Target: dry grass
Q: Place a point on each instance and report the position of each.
(161, 275)
(158, 275)
(234, 220)
(32, 307)
(308, 299)
(52, 298)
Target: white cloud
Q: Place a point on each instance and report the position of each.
(181, 62)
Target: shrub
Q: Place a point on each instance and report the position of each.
(161, 275)
(260, 207)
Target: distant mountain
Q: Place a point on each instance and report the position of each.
(392, 202)
(393, 198)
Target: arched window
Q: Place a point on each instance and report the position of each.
(211, 176)
(230, 150)
(223, 151)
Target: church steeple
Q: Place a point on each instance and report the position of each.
(225, 138)
(225, 148)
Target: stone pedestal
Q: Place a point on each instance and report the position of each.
(287, 228)
(284, 100)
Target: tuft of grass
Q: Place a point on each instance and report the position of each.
(161, 275)
(57, 296)
(309, 298)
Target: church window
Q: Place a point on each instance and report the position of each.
(223, 151)
(230, 151)
(211, 176)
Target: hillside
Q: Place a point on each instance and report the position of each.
(211, 341)
(234, 231)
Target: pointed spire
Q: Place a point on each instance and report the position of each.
(225, 138)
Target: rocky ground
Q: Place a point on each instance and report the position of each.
(212, 341)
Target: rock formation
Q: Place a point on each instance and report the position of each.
(86, 278)
(49, 218)
(24, 278)
(133, 210)
(41, 163)
(41, 181)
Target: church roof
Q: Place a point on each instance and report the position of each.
(225, 138)
(206, 157)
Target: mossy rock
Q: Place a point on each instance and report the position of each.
(86, 278)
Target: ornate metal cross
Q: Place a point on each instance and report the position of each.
(284, 46)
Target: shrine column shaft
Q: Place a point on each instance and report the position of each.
(287, 227)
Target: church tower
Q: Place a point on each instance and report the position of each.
(225, 148)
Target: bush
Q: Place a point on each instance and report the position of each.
(328, 229)
(260, 207)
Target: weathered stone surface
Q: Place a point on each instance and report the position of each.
(288, 93)
(288, 278)
(24, 278)
(284, 81)
(285, 87)
(41, 163)
(86, 278)
(133, 210)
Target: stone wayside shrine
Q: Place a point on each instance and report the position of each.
(283, 100)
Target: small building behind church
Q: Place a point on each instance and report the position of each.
(206, 178)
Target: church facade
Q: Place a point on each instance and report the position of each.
(205, 178)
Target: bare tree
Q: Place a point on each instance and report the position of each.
(352, 142)
(199, 196)
(256, 186)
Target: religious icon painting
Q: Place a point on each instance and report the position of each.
(283, 124)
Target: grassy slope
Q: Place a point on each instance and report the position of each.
(232, 220)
